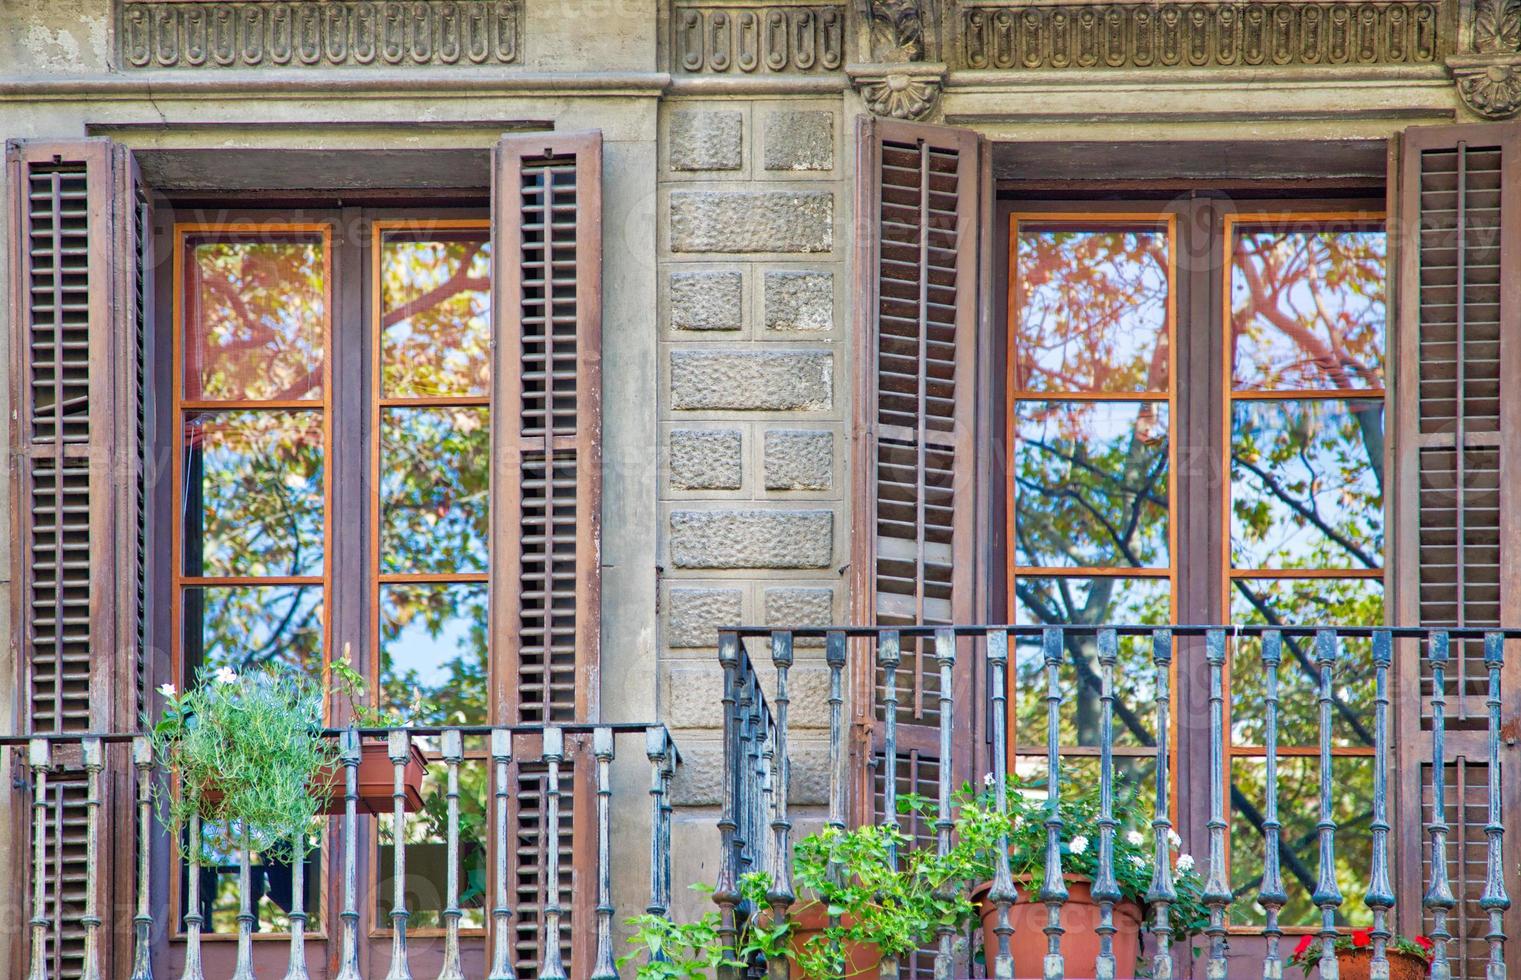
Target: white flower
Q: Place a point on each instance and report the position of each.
(167, 690)
(1019, 820)
(1185, 863)
(1079, 844)
(1135, 838)
(1139, 860)
(988, 780)
(226, 675)
(1173, 838)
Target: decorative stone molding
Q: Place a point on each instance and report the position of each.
(1488, 75)
(757, 38)
(901, 91)
(320, 33)
(1202, 35)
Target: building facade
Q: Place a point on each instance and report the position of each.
(514, 348)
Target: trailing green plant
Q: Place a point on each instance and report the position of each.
(981, 826)
(671, 950)
(248, 757)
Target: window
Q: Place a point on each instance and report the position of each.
(1261, 500)
(313, 432)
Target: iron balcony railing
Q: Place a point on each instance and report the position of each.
(756, 827)
(504, 746)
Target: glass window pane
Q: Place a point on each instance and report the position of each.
(1091, 309)
(1307, 309)
(272, 881)
(1307, 484)
(433, 652)
(428, 853)
(255, 318)
(434, 476)
(1051, 601)
(1299, 856)
(435, 297)
(244, 626)
(1090, 484)
(253, 493)
(1135, 788)
(1304, 602)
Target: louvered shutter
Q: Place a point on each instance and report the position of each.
(919, 207)
(547, 497)
(79, 259)
(1457, 543)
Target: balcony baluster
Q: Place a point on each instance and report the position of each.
(1054, 890)
(397, 748)
(1380, 896)
(945, 659)
(889, 655)
(602, 751)
(1106, 889)
(94, 757)
(501, 912)
(348, 754)
(1272, 896)
(1494, 901)
(1161, 894)
(780, 894)
(194, 921)
(1217, 888)
(1438, 900)
(1327, 894)
(552, 965)
(142, 922)
(246, 919)
(454, 754)
(1002, 894)
(39, 758)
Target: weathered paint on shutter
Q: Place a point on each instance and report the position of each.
(547, 498)
(918, 211)
(77, 315)
(1456, 230)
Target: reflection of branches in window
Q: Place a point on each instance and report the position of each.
(459, 281)
(1288, 850)
(1135, 484)
(1306, 663)
(281, 637)
(1307, 510)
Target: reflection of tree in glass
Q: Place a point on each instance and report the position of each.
(434, 483)
(249, 625)
(256, 327)
(433, 652)
(436, 324)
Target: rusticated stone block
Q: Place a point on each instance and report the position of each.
(799, 301)
(706, 459)
(752, 221)
(793, 607)
(706, 139)
(707, 300)
(799, 140)
(695, 615)
(752, 538)
(799, 459)
(769, 380)
(700, 777)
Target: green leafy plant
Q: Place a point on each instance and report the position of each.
(1306, 955)
(248, 757)
(671, 950)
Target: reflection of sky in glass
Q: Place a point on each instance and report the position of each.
(259, 476)
(249, 625)
(1304, 489)
(1092, 313)
(1090, 484)
(1308, 309)
(1298, 811)
(254, 329)
(433, 651)
(436, 299)
(433, 489)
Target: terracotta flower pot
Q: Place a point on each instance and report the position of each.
(374, 782)
(1356, 964)
(810, 919)
(1080, 940)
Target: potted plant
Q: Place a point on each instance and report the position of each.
(375, 780)
(980, 823)
(863, 894)
(1409, 958)
(249, 758)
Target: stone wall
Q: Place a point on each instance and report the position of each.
(755, 201)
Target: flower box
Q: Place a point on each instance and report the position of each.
(375, 783)
(1080, 939)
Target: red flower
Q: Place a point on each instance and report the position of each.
(1304, 944)
(1362, 937)
(1423, 942)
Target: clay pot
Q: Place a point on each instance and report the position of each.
(374, 783)
(810, 919)
(1356, 964)
(1080, 940)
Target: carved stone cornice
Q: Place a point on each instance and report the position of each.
(757, 38)
(1488, 72)
(900, 91)
(1254, 33)
(316, 33)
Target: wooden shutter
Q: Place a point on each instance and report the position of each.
(547, 499)
(1456, 209)
(919, 212)
(78, 295)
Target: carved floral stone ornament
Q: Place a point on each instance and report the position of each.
(1489, 74)
(896, 76)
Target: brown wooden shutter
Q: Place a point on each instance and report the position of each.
(919, 214)
(547, 499)
(1456, 198)
(78, 295)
